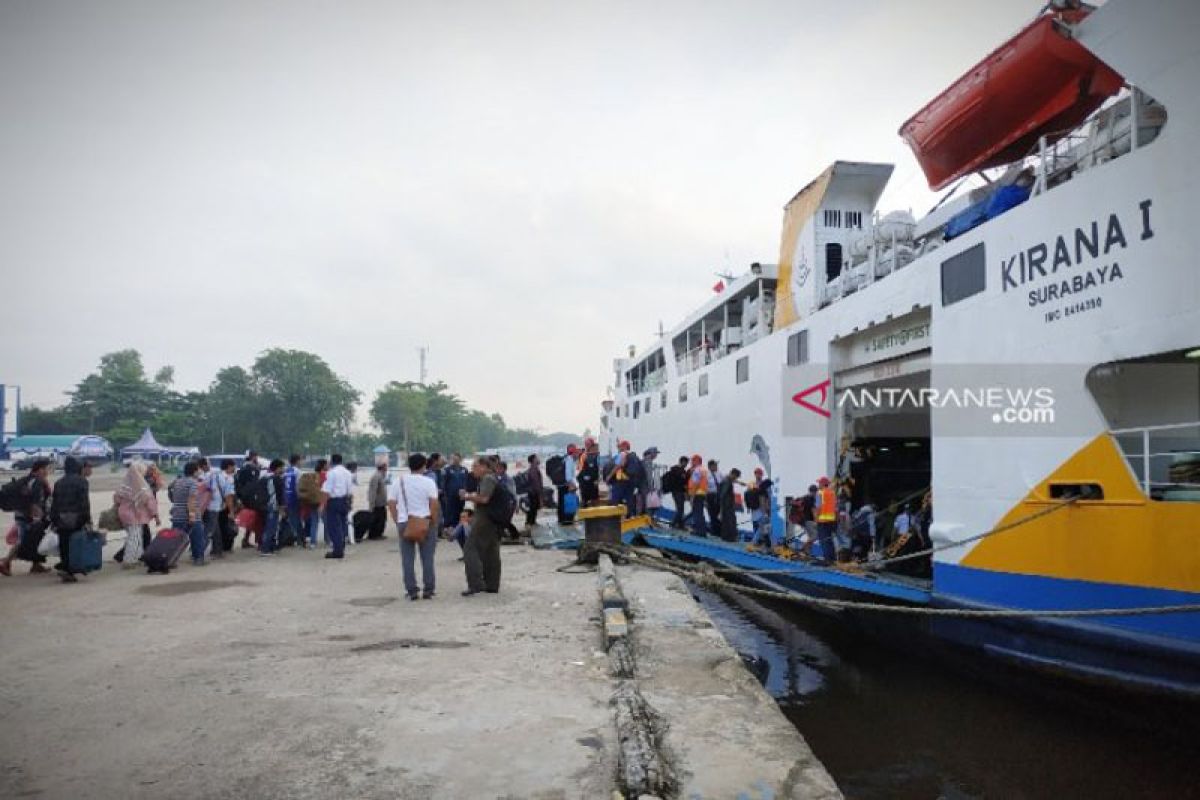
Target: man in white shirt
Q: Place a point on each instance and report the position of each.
(411, 497)
(335, 505)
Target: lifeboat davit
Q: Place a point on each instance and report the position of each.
(1039, 82)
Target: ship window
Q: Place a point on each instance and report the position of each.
(964, 275)
(637, 408)
(833, 219)
(1083, 491)
(683, 392)
(743, 369)
(664, 398)
(647, 409)
(797, 348)
(853, 219)
(703, 388)
(833, 260)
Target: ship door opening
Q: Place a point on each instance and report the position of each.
(885, 447)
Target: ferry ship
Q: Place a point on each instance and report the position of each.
(1029, 342)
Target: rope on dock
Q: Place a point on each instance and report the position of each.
(705, 576)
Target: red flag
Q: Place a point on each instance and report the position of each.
(719, 286)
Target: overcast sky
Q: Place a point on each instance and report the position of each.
(525, 187)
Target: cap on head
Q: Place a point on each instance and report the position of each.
(823, 482)
(572, 449)
(758, 470)
(623, 445)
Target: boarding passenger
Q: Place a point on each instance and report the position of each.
(221, 509)
(509, 483)
(826, 510)
(136, 508)
(862, 531)
(335, 505)
(309, 490)
(727, 502)
(482, 550)
(275, 508)
(650, 489)
(674, 483)
(70, 511)
(534, 491)
(758, 503)
(291, 498)
(714, 503)
(588, 473)
(28, 502)
(697, 488)
(635, 478)
(185, 516)
(435, 469)
(377, 501)
(243, 485)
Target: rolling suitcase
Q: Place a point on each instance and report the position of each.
(86, 553)
(165, 550)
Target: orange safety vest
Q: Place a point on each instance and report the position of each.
(698, 487)
(828, 507)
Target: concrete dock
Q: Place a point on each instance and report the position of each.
(300, 677)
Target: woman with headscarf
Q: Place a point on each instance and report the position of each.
(136, 506)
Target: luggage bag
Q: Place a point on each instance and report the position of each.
(164, 552)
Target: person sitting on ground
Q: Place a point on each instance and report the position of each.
(70, 511)
(462, 529)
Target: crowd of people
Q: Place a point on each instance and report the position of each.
(281, 505)
(271, 508)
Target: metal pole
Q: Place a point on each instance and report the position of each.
(1146, 460)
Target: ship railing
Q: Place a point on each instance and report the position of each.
(1165, 459)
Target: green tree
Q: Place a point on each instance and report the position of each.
(299, 401)
(117, 398)
(47, 421)
(401, 412)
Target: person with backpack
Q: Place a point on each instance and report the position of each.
(561, 471)
(26, 497)
(377, 501)
(70, 512)
(413, 500)
(219, 514)
(588, 470)
(715, 477)
(635, 483)
(757, 500)
(481, 553)
(291, 498)
(185, 516)
(269, 501)
(309, 490)
(674, 483)
(243, 486)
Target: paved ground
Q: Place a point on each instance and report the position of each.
(299, 677)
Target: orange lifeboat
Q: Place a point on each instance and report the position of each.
(1039, 82)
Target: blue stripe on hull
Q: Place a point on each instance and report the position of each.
(1012, 590)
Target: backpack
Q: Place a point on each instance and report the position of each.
(243, 483)
(204, 493)
(635, 471)
(256, 494)
(521, 482)
(14, 494)
(309, 488)
(751, 498)
(501, 506)
(556, 469)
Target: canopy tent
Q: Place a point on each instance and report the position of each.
(148, 447)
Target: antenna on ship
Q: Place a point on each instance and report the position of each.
(661, 331)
